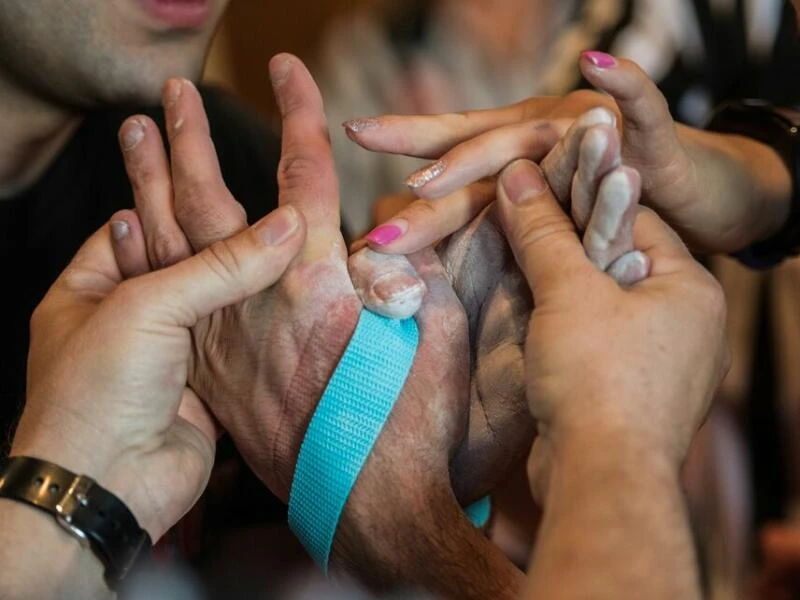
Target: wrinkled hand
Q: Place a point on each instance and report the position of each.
(638, 366)
(109, 363)
(486, 278)
(720, 192)
(263, 364)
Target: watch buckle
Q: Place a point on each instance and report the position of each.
(74, 497)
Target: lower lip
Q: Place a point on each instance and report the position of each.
(184, 14)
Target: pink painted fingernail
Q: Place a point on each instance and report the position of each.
(601, 60)
(386, 234)
(426, 175)
(359, 125)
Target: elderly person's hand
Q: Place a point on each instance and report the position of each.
(107, 390)
(720, 192)
(619, 380)
(264, 363)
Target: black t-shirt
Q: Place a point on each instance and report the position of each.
(42, 228)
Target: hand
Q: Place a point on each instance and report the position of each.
(109, 362)
(720, 192)
(489, 284)
(263, 364)
(649, 357)
(619, 380)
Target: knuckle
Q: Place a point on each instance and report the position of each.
(298, 169)
(165, 249)
(224, 262)
(544, 231)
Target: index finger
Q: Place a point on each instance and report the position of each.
(430, 136)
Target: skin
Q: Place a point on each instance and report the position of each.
(97, 53)
(264, 388)
(609, 449)
(150, 440)
(720, 192)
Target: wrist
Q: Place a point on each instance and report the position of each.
(603, 447)
(108, 471)
(41, 560)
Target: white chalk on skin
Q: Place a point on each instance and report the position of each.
(387, 284)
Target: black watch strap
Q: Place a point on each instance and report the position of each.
(778, 128)
(95, 516)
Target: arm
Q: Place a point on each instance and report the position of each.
(720, 192)
(41, 560)
(611, 441)
(615, 524)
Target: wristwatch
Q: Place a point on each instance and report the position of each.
(778, 128)
(93, 515)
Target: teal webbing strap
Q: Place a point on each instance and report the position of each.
(345, 426)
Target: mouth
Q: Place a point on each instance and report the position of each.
(180, 14)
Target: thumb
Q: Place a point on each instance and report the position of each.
(225, 273)
(540, 233)
(650, 137)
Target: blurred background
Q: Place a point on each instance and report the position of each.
(254, 30)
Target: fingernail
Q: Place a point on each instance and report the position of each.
(386, 234)
(523, 181)
(172, 92)
(120, 230)
(279, 226)
(426, 175)
(393, 286)
(280, 69)
(132, 134)
(359, 125)
(600, 60)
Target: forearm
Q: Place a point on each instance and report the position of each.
(40, 560)
(429, 544)
(746, 177)
(615, 526)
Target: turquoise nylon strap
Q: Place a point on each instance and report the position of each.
(349, 418)
(345, 426)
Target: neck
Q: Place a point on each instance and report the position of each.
(35, 130)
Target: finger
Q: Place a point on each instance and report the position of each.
(561, 163)
(441, 314)
(93, 269)
(127, 239)
(629, 269)
(148, 171)
(540, 234)
(600, 153)
(195, 412)
(204, 208)
(430, 136)
(225, 273)
(485, 155)
(387, 285)
(665, 249)
(306, 175)
(425, 221)
(648, 128)
(610, 231)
